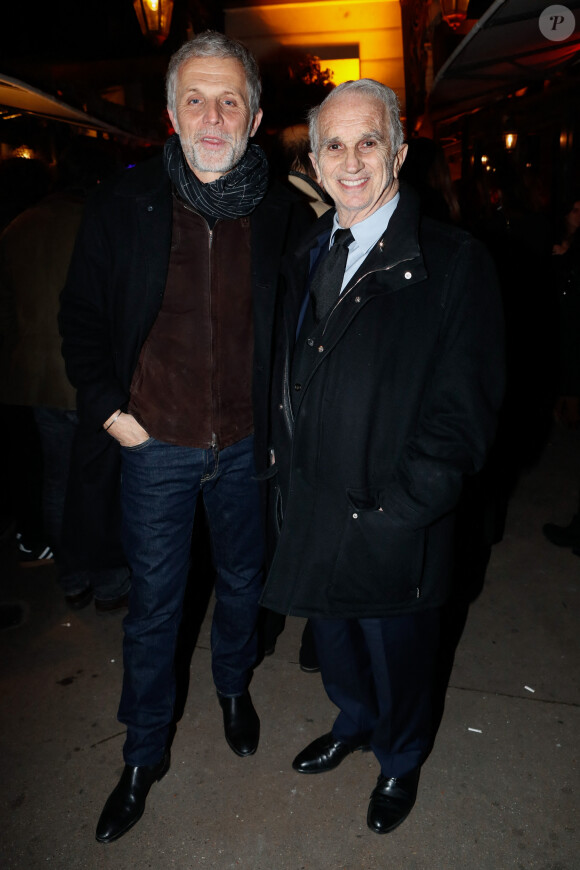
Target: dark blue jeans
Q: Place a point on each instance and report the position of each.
(159, 489)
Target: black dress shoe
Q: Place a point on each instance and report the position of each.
(325, 753)
(241, 724)
(126, 803)
(109, 605)
(391, 802)
(564, 536)
(80, 599)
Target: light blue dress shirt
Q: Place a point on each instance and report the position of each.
(366, 235)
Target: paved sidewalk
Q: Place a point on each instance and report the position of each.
(500, 789)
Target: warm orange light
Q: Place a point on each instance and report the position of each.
(510, 141)
(154, 18)
(23, 151)
(353, 38)
(344, 69)
(484, 159)
(454, 12)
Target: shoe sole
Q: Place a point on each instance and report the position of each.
(242, 754)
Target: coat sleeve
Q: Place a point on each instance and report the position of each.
(458, 413)
(86, 322)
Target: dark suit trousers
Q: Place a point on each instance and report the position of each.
(380, 674)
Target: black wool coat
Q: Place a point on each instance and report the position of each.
(400, 403)
(112, 296)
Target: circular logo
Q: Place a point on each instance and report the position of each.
(557, 23)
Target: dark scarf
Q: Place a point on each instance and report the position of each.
(233, 195)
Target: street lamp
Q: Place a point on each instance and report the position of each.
(454, 12)
(154, 18)
(510, 140)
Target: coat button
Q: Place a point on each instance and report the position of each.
(297, 387)
(357, 298)
(280, 407)
(149, 208)
(408, 275)
(310, 342)
(320, 349)
(355, 516)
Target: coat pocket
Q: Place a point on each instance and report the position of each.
(378, 563)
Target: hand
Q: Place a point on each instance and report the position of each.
(126, 430)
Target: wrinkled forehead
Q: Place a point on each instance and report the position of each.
(217, 73)
(351, 115)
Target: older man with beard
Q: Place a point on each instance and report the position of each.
(166, 321)
(385, 395)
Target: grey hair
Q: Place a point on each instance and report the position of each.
(210, 43)
(370, 88)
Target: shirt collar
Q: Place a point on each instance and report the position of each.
(368, 232)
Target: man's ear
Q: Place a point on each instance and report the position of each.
(314, 162)
(173, 120)
(400, 159)
(256, 122)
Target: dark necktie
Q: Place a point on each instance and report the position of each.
(327, 280)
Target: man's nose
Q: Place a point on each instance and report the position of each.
(352, 160)
(212, 114)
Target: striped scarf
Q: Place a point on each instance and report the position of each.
(232, 196)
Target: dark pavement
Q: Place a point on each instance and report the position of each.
(500, 789)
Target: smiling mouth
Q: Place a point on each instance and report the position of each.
(353, 182)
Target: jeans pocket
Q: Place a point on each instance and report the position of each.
(135, 447)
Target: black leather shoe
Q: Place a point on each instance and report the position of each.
(109, 605)
(241, 724)
(126, 803)
(564, 536)
(325, 753)
(80, 599)
(391, 802)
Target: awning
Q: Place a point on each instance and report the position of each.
(505, 51)
(15, 94)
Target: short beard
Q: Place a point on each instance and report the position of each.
(223, 163)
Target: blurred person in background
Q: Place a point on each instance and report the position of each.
(35, 252)
(566, 287)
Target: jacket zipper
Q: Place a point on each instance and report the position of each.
(214, 441)
(286, 401)
(362, 277)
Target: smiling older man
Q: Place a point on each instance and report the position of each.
(166, 322)
(385, 395)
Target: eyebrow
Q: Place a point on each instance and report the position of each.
(371, 134)
(228, 92)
